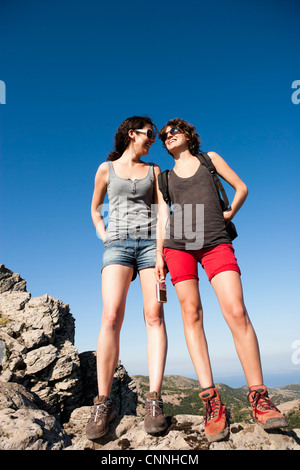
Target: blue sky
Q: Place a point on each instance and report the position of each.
(73, 71)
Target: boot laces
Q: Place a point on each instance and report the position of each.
(99, 411)
(154, 407)
(261, 401)
(212, 408)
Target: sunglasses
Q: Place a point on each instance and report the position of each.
(149, 132)
(172, 131)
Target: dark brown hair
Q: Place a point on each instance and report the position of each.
(122, 139)
(188, 130)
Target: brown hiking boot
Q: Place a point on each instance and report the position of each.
(102, 413)
(216, 427)
(264, 412)
(155, 421)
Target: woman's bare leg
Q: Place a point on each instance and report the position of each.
(192, 316)
(228, 288)
(115, 284)
(157, 342)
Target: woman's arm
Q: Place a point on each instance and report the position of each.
(162, 222)
(241, 190)
(100, 189)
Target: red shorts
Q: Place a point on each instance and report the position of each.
(183, 265)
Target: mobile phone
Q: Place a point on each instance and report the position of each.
(161, 292)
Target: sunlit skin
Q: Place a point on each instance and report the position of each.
(227, 285)
(116, 279)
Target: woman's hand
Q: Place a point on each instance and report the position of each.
(160, 270)
(100, 189)
(241, 190)
(228, 215)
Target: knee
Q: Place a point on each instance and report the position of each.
(237, 315)
(192, 315)
(154, 316)
(111, 319)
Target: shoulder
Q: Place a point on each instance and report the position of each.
(218, 162)
(102, 172)
(103, 168)
(213, 155)
(156, 169)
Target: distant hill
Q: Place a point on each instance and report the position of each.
(181, 396)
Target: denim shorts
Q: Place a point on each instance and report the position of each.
(140, 253)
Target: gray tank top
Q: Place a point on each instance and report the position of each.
(197, 219)
(131, 206)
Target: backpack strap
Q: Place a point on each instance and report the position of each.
(163, 184)
(163, 180)
(206, 161)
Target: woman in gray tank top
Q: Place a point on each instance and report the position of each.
(198, 234)
(129, 247)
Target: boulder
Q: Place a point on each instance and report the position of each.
(23, 426)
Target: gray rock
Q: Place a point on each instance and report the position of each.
(10, 281)
(185, 433)
(37, 347)
(25, 427)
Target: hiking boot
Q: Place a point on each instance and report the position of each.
(216, 427)
(264, 412)
(102, 413)
(155, 421)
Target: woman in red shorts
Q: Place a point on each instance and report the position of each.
(197, 233)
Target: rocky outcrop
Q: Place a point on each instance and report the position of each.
(23, 426)
(10, 281)
(47, 389)
(185, 433)
(39, 362)
(37, 346)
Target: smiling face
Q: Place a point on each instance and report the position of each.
(141, 141)
(179, 135)
(175, 140)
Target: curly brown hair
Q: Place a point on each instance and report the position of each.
(122, 139)
(188, 130)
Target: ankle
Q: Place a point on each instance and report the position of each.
(261, 388)
(208, 388)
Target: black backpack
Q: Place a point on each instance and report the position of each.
(163, 180)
